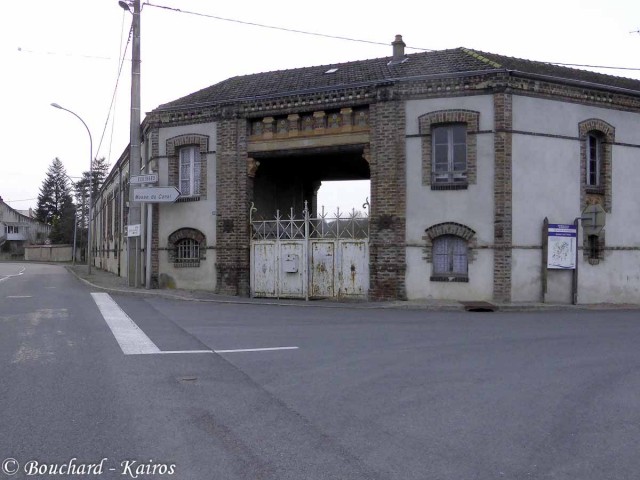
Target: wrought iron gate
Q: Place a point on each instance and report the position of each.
(325, 256)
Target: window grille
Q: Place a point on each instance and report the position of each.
(187, 252)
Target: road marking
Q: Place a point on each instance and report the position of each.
(14, 275)
(131, 339)
(134, 341)
(185, 351)
(267, 349)
(19, 296)
(270, 349)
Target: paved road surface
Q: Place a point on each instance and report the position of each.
(367, 394)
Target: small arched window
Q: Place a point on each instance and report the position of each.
(188, 247)
(450, 256)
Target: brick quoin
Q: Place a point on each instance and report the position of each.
(232, 227)
(503, 122)
(388, 202)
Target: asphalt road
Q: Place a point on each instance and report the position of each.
(367, 394)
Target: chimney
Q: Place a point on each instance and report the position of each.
(398, 51)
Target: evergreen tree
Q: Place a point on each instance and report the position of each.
(55, 204)
(81, 187)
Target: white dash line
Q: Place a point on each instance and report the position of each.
(184, 351)
(131, 339)
(19, 296)
(255, 349)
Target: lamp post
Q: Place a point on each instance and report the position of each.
(89, 256)
(75, 229)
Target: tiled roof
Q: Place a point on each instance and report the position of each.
(441, 62)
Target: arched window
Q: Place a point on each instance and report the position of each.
(449, 248)
(188, 247)
(450, 256)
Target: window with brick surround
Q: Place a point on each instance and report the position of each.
(596, 141)
(189, 171)
(187, 247)
(450, 249)
(449, 151)
(187, 156)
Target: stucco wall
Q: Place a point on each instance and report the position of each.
(472, 207)
(546, 183)
(49, 253)
(200, 215)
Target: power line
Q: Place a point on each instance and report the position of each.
(337, 37)
(115, 90)
(284, 29)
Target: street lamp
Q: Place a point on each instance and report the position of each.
(75, 228)
(89, 255)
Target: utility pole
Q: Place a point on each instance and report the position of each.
(133, 243)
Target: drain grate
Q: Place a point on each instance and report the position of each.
(479, 306)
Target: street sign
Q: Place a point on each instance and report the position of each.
(149, 178)
(561, 246)
(593, 219)
(156, 194)
(133, 230)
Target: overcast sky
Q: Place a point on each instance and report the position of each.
(68, 53)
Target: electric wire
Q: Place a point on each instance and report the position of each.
(338, 37)
(284, 29)
(115, 90)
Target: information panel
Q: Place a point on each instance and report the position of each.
(562, 245)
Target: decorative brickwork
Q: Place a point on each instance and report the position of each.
(502, 196)
(387, 162)
(471, 120)
(589, 195)
(173, 146)
(154, 137)
(232, 226)
(449, 228)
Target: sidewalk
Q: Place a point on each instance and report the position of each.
(112, 283)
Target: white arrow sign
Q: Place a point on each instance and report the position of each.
(156, 194)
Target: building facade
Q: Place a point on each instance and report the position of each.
(467, 153)
(18, 231)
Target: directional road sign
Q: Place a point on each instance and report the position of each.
(149, 178)
(156, 194)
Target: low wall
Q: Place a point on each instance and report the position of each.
(48, 253)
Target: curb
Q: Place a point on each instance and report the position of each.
(363, 306)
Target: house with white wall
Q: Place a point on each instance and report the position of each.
(18, 231)
(467, 154)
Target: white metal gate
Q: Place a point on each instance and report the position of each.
(326, 256)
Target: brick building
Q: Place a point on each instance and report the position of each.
(466, 152)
